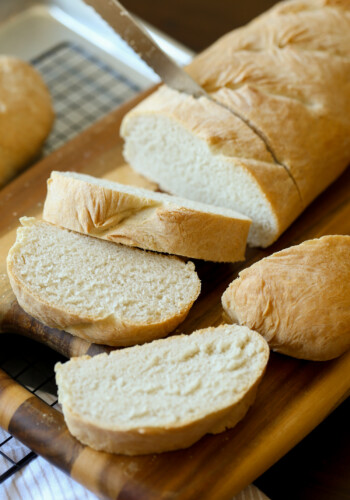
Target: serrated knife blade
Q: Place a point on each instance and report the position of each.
(142, 43)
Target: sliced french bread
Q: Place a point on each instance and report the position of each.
(164, 395)
(298, 299)
(100, 291)
(195, 149)
(286, 77)
(145, 219)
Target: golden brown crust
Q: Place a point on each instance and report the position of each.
(286, 73)
(278, 189)
(218, 127)
(26, 115)
(136, 220)
(298, 299)
(157, 440)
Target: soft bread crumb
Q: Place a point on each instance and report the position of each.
(196, 172)
(74, 280)
(161, 387)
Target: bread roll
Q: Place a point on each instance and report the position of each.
(298, 299)
(286, 74)
(26, 115)
(164, 395)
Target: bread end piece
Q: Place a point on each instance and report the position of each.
(298, 299)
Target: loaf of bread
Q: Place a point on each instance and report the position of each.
(26, 115)
(145, 219)
(100, 291)
(286, 77)
(164, 395)
(298, 299)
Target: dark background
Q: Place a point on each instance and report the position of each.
(197, 23)
(319, 467)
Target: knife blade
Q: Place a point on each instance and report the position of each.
(142, 43)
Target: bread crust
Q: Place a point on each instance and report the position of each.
(110, 330)
(146, 440)
(136, 220)
(298, 299)
(26, 115)
(287, 87)
(234, 142)
(157, 440)
(286, 74)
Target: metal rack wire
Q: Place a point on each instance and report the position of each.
(83, 89)
(31, 365)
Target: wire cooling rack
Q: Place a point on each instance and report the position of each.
(31, 365)
(83, 89)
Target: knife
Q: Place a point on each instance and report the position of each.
(141, 42)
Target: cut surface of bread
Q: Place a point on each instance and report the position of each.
(26, 115)
(100, 291)
(298, 299)
(145, 219)
(164, 395)
(166, 133)
(286, 77)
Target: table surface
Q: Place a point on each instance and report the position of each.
(318, 468)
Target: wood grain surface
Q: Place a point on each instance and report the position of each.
(17, 321)
(294, 397)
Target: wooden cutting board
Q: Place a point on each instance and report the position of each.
(294, 396)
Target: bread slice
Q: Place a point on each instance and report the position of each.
(164, 395)
(298, 299)
(97, 290)
(145, 219)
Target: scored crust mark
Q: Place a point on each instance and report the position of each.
(263, 138)
(267, 91)
(231, 65)
(268, 152)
